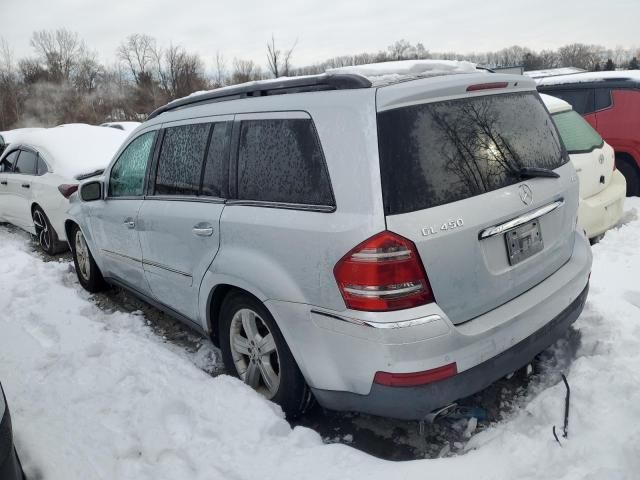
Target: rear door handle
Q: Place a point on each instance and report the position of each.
(202, 230)
(25, 185)
(130, 223)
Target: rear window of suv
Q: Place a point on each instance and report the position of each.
(436, 153)
(578, 136)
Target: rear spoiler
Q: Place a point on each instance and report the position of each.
(84, 176)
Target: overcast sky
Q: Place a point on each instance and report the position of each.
(322, 28)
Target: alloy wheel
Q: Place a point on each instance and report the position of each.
(254, 352)
(42, 230)
(82, 255)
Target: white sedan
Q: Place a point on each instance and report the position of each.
(39, 171)
(602, 187)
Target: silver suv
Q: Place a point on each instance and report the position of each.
(384, 247)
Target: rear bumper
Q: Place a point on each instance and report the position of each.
(339, 353)
(600, 212)
(413, 403)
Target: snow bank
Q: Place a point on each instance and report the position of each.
(591, 77)
(96, 395)
(389, 72)
(72, 149)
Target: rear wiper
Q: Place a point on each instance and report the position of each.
(530, 172)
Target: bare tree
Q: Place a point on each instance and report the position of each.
(58, 51)
(220, 76)
(580, 55)
(138, 52)
(244, 71)
(279, 61)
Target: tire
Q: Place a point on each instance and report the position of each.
(45, 234)
(267, 364)
(87, 270)
(631, 174)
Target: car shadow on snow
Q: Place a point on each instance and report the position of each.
(381, 437)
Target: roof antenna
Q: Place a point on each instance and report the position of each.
(565, 427)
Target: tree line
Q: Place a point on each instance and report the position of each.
(63, 81)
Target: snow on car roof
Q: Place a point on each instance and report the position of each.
(391, 72)
(72, 149)
(555, 104)
(553, 72)
(126, 126)
(591, 77)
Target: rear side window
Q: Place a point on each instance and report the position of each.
(180, 161)
(437, 153)
(602, 98)
(281, 161)
(578, 136)
(7, 163)
(215, 181)
(42, 167)
(582, 101)
(27, 163)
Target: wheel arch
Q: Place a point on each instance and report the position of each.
(215, 299)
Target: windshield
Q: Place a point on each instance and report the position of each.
(578, 136)
(437, 153)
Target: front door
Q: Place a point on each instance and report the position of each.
(114, 220)
(6, 193)
(180, 216)
(21, 185)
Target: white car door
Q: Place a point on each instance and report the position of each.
(6, 196)
(22, 186)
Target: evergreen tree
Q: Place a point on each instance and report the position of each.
(634, 64)
(609, 65)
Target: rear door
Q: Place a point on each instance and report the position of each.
(21, 184)
(6, 195)
(451, 183)
(180, 217)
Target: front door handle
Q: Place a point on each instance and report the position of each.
(3, 182)
(25, 185)
(130, 223)
(202, 230)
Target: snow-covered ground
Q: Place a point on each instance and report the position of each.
(97, 395)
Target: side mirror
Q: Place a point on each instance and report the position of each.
(91, 191)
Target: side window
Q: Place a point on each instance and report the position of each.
(42, 167)
(180, 161)
(27, 163)
(215, 182)
(581, 100)
(7, 163)
(603, 98)
(127, 175)
(281, 161)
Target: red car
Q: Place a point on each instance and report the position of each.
(610, 102)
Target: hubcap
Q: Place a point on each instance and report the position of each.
(254, 352)
(42, 230)
(82, 255)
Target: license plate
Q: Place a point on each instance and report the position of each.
(524, 241)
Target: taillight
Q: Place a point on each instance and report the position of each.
(67, 189)
(383, 273)
(416, 378)
(487, 86)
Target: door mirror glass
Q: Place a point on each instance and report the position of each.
(91, 191)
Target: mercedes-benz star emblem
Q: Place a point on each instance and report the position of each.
(526, 195)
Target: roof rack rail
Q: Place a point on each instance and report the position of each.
(311, 83)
